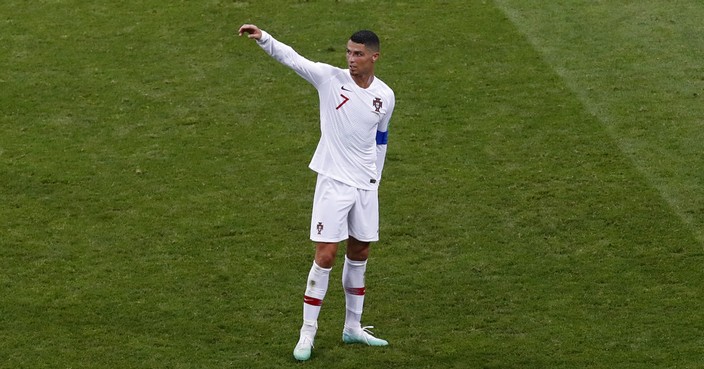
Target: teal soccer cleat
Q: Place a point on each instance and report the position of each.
(362, 335)
(303, 348)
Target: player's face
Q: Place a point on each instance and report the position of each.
(360, 60)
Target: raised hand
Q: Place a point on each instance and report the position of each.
(252, 31)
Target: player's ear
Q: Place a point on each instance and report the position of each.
(375, 56)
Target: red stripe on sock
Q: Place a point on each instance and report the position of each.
(312, 301)
(358, 291)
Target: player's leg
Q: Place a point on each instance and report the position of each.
(317, 284)
(325, 254)
(353, 273)
(353, 282)
(364, 228)
(328, 227)
(316, 288)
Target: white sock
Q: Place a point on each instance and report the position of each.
(316, 287)
(353, 283)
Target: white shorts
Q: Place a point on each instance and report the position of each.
(341, 211)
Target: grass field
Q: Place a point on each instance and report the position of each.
(542, 202)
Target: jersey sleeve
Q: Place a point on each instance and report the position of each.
(382, 138)
(313, 72)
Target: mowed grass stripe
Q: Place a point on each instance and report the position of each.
(678, 252)
(636, 68)
(556, 221)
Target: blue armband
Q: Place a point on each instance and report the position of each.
(382, 138)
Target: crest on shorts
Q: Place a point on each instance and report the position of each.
(319, 227)
(377, 104)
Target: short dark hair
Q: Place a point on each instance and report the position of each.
(367, 38)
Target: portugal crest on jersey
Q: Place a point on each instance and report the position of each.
(377, 104)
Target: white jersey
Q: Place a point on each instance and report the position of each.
(353, 121)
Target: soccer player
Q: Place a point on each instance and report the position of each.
(355, 109)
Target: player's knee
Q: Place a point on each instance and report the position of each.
(358, 251)
(325, 256)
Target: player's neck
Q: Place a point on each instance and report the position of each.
(363, 81)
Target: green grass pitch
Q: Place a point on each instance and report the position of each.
(542, 202)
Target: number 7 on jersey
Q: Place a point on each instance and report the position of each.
(346, 99)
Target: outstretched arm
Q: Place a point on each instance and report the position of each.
(312, 72)
(252, 30)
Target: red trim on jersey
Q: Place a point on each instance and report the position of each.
(312, 301)
(357, 291)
